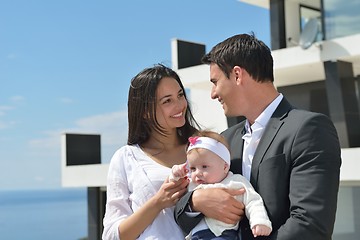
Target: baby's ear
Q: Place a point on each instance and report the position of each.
(226, 167)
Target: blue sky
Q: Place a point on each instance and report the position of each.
(65, 66)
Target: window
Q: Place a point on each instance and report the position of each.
(307, 13)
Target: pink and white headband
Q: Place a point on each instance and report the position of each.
(211, 144)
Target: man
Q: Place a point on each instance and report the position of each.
(291, 157)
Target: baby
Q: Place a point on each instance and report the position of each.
(208, 160)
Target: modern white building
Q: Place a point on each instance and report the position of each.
(316, 49)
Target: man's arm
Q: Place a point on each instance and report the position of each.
(186, 222)
(314, 182)
(217, 203)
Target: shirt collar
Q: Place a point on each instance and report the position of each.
(264, 117)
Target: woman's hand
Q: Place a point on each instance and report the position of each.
(170, 192)
(219, 203)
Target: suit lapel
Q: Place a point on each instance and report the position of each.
(236, 146)
(271, 130)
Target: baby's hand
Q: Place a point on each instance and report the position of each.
(261, 230)
(180, 171)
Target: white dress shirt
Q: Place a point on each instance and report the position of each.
(254, 134)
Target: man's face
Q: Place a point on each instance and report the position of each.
(225, 90)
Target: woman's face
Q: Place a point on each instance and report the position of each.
(170, 104)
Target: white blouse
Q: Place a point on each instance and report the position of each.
(133, 178)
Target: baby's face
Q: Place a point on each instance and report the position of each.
(206, 167)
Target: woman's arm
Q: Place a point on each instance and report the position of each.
(120, 221)
(167, 196)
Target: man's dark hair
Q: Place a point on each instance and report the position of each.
(245, 51)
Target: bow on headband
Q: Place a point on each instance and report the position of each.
(192, 140)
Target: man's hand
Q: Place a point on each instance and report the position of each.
(219, 203)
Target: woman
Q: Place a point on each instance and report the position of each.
(140, 197)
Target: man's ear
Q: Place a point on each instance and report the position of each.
(238, 71)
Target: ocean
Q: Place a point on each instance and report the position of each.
(57, 214)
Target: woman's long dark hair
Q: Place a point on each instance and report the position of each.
(142, 106)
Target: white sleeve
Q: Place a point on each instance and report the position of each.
(254, 206)
(117, 204)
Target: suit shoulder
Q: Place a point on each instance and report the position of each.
(301, 114)
(231, 131)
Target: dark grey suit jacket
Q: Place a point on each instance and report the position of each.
(295, 169)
